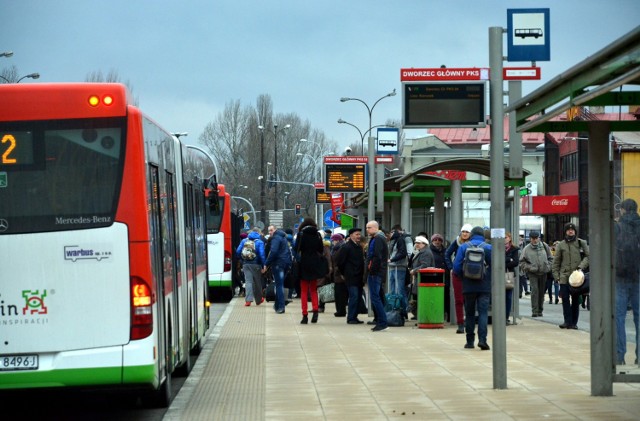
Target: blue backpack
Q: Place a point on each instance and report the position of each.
(473, 265)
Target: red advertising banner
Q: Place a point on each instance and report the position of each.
(449, 174)
(551, 205)
(444, 74)
(337, 204)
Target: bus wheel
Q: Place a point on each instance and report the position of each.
(162, 397)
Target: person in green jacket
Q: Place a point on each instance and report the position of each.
(572, 253)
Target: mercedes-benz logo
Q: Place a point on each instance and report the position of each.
(4, 225)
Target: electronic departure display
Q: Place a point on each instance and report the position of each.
(322, 196)
(17, 149)
(345, 178)
(439, 104)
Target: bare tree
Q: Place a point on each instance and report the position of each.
(9, 74)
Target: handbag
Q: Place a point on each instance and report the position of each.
(509, 280)
(327, 293)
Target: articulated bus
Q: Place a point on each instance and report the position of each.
(103, 243)
(223, 235)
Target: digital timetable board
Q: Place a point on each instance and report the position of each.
(322, 196)
(345, 178)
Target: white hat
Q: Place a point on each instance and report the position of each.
(421, 239)
(576, 279)
(466, 227)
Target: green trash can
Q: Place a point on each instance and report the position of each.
(431, 298)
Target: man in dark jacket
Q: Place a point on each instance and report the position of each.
(350, 261)
(377, 256)
(627, 263)
(477, 293)
(279, 260)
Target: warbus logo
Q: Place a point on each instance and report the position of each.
(559, 202)
(34, 302)
(4, 225)
(75, 253)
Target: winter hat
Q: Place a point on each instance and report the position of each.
(534, 234)
(421, 239)
(243, 235)
(570, 225)
(436, 237)
(466, 227)
(337, 237)
(477, 231)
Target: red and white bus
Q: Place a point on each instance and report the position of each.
(103, 243)
(223, 232)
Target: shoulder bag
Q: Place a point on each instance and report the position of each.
(509, 280)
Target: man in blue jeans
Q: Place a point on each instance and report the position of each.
(477, 293)
(377, 255)
(280, 262)
(627, 238)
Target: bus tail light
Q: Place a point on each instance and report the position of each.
(141, 309)
(227, 261)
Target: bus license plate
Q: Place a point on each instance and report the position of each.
(18, 362)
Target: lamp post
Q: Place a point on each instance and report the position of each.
(362, 135)
(284, 203)
(30, 76)
(275, 164)
(6, 54)
(262, 180)
(371, 211)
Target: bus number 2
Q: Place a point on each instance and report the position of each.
(12, 145)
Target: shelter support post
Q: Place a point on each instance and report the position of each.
(600, 215)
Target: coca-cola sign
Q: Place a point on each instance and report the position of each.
(551, 205)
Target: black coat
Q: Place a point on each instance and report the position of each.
(350, 261)
(309, 252)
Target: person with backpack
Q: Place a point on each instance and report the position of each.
(535, 261)
(473, 265)
(398, 253)
(627, 265)
(251, 252)
(456, 281)
(572, 254)
(279, 261)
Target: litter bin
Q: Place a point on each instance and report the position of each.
(431, 298)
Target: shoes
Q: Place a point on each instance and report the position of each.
(483, 346)
(261, 301)
(304, 320)
(572, 327)
(534, 315)
(508, 322)
(314, 318)
(339, 314)
(557, 301)
(247, 303)
(321, 310)
(564, 326)
(286, 303)
(468, 346)
(372, 322)
(460, 329)
(550, 301)
(539, 314)
(527, 293)
(355, 322)
(280, 311)
(379, 328)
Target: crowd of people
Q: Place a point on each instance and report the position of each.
(388, 262)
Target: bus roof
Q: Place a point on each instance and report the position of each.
(48, 101)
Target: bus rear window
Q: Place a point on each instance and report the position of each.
(66, 174)
(214, 216)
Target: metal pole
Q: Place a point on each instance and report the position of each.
(275, 166)
(249, 203)
(498, 311)
(371, 210)
(263, 216)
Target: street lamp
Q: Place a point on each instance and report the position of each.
(284, 203)
(30, 76)
(371, 212)
(6, 54)
(362, 135)
(262, 191)
(275, 164)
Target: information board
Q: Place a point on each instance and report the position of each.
(345, 178)
(444, 104)
(322, 196)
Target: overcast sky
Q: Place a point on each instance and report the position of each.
(186, 59)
